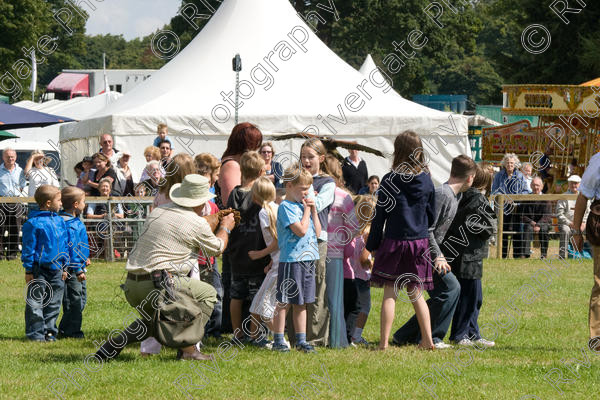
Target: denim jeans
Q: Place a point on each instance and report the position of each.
(73, 302)
(42, 306)
(442, 303)
(335, 297)
(213, 326)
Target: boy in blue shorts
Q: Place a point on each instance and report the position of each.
(75, 295)
(44, 257)
(298, 227)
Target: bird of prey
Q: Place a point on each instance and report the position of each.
(331, 144)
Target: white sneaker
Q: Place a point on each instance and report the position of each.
(465, 342)
(442, 346)
(485, 343)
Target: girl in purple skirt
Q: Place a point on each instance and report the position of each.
(399, 236)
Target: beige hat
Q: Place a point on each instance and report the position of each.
(192, 192)
(574, 178)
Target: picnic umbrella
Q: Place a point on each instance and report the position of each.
(13, 117)
(7, 135)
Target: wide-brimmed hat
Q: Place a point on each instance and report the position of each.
(192, 192)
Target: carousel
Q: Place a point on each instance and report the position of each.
(566, 136)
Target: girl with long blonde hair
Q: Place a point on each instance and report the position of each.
(263, 305)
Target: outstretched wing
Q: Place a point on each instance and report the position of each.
(299, 135)
(355, 146)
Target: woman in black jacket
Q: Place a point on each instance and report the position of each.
(466, 245)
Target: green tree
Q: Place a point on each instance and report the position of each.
(572, 56)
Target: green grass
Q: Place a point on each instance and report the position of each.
(552, 327)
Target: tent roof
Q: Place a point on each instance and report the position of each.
(593, 82)
(290, 80)
(77, 108)
(368, 66)
(13, 117)
(65, 82)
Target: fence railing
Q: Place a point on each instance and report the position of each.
(112, 232)
(113, 235)
(517, 224)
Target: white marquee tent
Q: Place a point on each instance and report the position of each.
(47, 138)
(290, 82)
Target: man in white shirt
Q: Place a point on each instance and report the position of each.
(565, 210)
(12, 183)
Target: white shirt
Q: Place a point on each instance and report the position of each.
(38, 177)
(263, 217)
(590, 181)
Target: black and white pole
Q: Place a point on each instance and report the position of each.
(237, 67)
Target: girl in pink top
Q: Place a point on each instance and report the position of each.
(341, 227)
(357, 266)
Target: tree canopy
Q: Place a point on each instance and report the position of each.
(468, 49)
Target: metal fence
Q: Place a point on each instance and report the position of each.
(113, 236)
(533, 226)
(112, 232)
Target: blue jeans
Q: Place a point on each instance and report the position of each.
(42, 306)
(464, 322)
(73, 302)
(334, 279)
(213, 326)
(442, 303)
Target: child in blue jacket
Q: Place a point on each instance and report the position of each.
(45, 257)
(75, 295)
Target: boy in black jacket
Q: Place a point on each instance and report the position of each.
(466, 245)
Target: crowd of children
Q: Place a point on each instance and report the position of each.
(303, 257)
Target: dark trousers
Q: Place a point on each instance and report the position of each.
(512, 223)
(74, 299)
(351, 306)
(11, 223)
(442, 303)
(42, 305)
(213, 326)
(226, 283)
(464, 322)
(542, 235)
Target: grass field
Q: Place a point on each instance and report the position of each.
(547, 324)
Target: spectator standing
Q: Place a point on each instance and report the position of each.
(443, 297)
(244, 137)
(536, 217)
(565, 210)
(372, 186)
(106, 144)
(509, 180)
(104, 169)
(87, 175)
(273, 169)
(38, 174)
(151, 153)
(355, 172)
(165, 152)
(124, 181)
(208, 166)
(527, 170)
(12, 183)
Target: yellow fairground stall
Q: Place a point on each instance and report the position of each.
(567, 132)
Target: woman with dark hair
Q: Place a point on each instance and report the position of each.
(104, 169)
(244, 137)
(274, 170)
